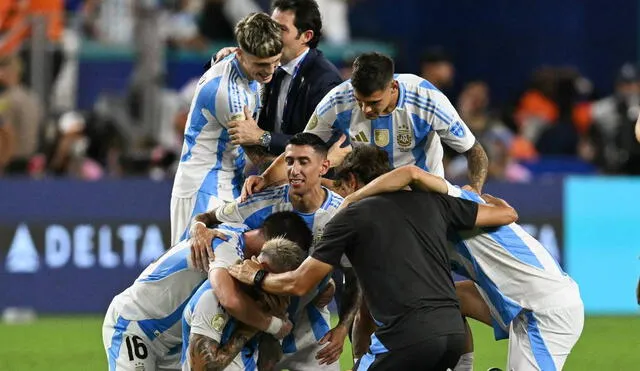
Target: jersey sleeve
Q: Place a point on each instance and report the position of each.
(208, 318)
(227, 253)
(332, 116)
(251, 212)
(319, 126)
(446, 121)
(230, 213)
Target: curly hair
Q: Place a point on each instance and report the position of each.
(259, 35)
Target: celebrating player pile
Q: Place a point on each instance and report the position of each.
(248, 279)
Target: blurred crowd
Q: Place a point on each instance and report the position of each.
(557, 124)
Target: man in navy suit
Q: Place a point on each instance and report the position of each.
(303, 79)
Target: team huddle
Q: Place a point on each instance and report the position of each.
(353, 208)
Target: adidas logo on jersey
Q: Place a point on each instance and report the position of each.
(361, 137)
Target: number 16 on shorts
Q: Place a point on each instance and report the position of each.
(136, 349)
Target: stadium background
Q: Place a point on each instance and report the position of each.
(74, 234)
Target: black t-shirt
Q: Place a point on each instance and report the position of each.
(397, 244)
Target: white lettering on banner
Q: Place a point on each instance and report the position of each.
(129, 235)
(84, 246)
(152, 246)
(22, 256)
(83, 242)
(106, 256)
(57, 246)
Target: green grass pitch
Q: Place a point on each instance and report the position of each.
(75, 343)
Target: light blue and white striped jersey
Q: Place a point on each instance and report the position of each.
(411, 134)
(513, 270)
(310, 323)
(260, 205)
(159, 295)
(209, 163)
(205, 316)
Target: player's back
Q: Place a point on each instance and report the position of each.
(410, 134)
(209, 162)
(511, 266)
(159, 295)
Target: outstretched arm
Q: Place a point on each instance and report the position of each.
(297, 283)
(398, 179)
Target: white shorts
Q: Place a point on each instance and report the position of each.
(306, 345)
(184, 209)
(129, 349)
(542, 340)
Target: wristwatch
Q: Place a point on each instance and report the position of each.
(259, 278)
(265, 139)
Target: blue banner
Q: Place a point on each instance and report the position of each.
(69, 247)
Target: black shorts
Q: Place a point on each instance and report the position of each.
(435, 354)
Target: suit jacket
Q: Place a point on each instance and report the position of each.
(315, 78)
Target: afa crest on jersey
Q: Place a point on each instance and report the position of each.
(404, 137)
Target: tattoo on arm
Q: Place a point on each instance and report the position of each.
(207, 355)
(351, 298)
(259, 156)
(208, 218)
(478, 166)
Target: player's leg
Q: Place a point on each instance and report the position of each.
(181, 210)
(472, 305)
(126, 349)
(543, 340)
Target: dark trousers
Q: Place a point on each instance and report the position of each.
(436, 354)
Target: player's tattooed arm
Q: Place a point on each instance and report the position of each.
(208, 218)
(207, 355)
(478, 163)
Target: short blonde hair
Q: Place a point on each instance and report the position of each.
(259, 35)
(284, 255)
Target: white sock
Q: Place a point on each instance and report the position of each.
(465, 363)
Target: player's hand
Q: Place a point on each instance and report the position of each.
(494, 200)
(246, 271)
(222, 53)
(253, 184)
(324, 298)
(336, 153)
(335, 342)
(201, 250)
(347, 201)
(245, 132)
(471, 189)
